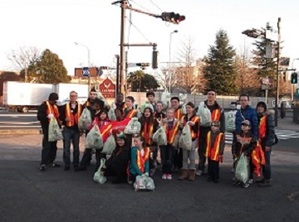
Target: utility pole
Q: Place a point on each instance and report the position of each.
(122, 61)
(277, 72)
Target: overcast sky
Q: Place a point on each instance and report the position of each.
(57, 24)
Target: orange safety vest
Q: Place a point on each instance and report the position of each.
(171, 133)
(131, 113)
(73, 118)
(213, 152)
(194, 119)
(178, 114)
(215, 115)
(52, 109)
(105, 131)
(142, 159)
(262, 127)
(147, 133)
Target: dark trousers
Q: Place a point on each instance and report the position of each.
(116, 171)
(213, 169)
(49, 149)
(71, 136)
(267, 167)
(178, 158)
(87, 156)
(166, 157)
(154, 155)
(201, 153)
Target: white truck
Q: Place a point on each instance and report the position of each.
(63, 90)
(23, 96)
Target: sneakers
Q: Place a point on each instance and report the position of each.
(43, 167)
(166, 176)
(199, 172)
(250, 181)
(169, 177)
(246, 185)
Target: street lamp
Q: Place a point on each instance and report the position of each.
(88, 61)
(169, 58)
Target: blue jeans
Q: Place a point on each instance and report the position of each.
(71, 136)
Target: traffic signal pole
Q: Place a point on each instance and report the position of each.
(122, 60)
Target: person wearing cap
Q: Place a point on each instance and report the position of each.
(46, 111)
(116, 166)
(266, 139)
(69, 116)
(245, 143)
(217, 114)
(192, 121)
(214, 151)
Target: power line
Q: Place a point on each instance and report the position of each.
(156, 5)
(131, 23)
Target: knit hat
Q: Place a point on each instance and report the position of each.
(262, 104)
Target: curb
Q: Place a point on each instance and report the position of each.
(20, 131)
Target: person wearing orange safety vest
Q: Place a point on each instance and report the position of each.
(46, 111)
(129, 112)
(214, 151)
(266, 133)
(172, 127)
(190, 119)
(217, 114)
(69, 115)
(178, 114)
(245, 142)
(148, 127)
(139, 161)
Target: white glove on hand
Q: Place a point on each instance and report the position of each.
(49, 116)
(145, 174)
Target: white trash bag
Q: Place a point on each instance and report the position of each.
(185, 140)
(242, 169)
(230, 118)
(84, 120)
(54, 133)
(94, 138)
(109, 145)
(98, 176)
(133, 126)
(204, 114)
(160, 136)
(165, 97)
(144, 182)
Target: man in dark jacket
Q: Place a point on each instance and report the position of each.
(217, 114)
(46, 111)
(266, 138)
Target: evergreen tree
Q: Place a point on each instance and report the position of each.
(219, 70)
(142, 82)
(49, 69)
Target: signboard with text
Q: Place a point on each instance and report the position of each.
(107, 88)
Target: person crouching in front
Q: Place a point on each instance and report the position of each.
(214, 151)
(139, 162)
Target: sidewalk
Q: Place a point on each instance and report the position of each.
(287, 124)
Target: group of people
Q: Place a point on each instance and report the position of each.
(137, 154)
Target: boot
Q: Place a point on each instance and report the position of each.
(184, 174)
(191, 175)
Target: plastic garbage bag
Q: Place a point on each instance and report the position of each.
(230, 121)
(185, 140)
(204, 114)
(85, 119)
(94, 138)
(242, 169)
(160, 136)
(109, 145)
(111, 114)
(98, 176)
(147, 104)
(144, 182)
(133, 126)
(54, 133)
(165, 97)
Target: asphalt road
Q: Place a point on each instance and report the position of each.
(27, 194)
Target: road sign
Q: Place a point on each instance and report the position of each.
(107, 88)
(85, 71)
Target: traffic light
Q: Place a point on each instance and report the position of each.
(294, 78)
(155, 60)
(172, 17)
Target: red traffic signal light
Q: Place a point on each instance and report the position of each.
(172, 17)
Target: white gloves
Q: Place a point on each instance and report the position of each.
(49, 116)
(145, 174)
